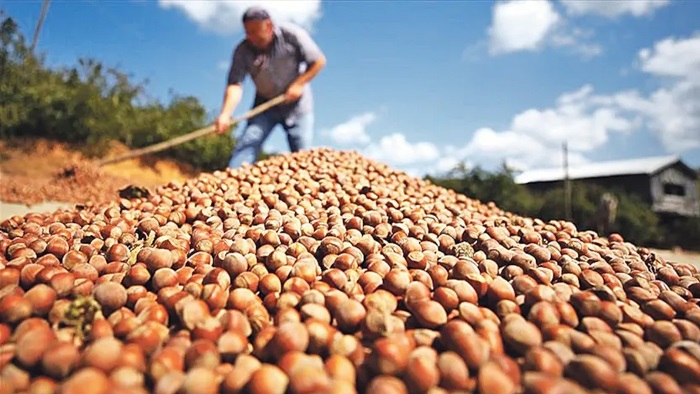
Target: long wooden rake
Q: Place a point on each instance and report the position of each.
(190, 136)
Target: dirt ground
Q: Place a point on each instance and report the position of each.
(679, 256)
(41, 160)
(36, 172)
(39, 171)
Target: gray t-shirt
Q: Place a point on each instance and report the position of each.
(272, 71)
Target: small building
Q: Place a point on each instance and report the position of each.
(667, 184)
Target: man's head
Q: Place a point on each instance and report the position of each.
(258, 27)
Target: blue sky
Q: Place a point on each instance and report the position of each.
(421, 85)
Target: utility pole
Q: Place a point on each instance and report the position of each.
(39, 23)
(567, 184)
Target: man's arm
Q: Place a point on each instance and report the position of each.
(296, 88)
(232, 96)
(234, 89)
(236, 75)
(313, 57)
(312, 70)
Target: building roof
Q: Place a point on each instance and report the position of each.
(648, 165)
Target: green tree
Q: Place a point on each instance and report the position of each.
(499, 187)
(638, 222)
(634, 219)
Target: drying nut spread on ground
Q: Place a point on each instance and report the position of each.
(325, 272)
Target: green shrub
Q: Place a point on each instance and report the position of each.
(92, 104)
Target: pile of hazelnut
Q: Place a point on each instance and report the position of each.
(322, 271)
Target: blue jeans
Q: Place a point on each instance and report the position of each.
(258, 129)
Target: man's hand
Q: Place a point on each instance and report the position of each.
(294, 91)
(222, 123)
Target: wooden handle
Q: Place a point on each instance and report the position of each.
(192, 135)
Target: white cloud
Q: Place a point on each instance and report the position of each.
(578, 118)
(673, 110)
(534, 137)
(521, 25)
(531, 25)
(517, 148)
(583, 117)
(224, 16)
(497, 146)
(613, 8)
(674, 114)
(673, 57)
(576, 42)
(394, 149)
(446, 164)
(353, 131)
(414, 172)
(586, 119)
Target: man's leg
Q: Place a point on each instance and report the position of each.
(300, 134)
(249, 144)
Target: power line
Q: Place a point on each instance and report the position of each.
(567, 184)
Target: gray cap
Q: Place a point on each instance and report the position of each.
(255, 14)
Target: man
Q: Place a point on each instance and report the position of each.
(272, 55)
